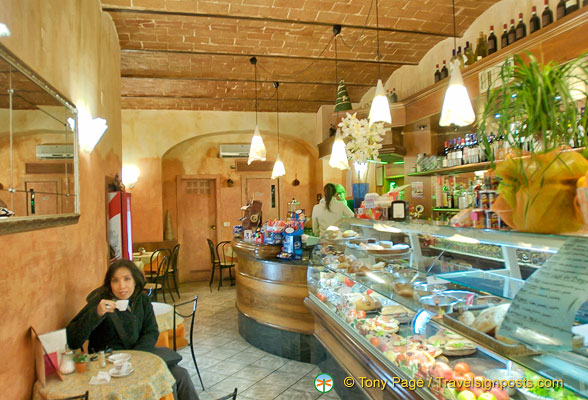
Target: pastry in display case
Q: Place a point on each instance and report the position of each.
(437, 325)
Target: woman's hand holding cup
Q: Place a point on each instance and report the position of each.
(106, 306)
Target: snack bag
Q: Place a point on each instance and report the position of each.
(538, 194)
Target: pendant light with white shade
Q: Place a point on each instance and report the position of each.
(457, 107)
(338, 157)
(380, 109)
(257, 150)
(279, 169)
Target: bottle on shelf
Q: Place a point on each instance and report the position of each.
(547, 15)
(437, 74)
(521, 30)
(534, 22)
(445, 151)
(445, 196)
(32, 193)
(393, 96)
(512, 32)
(482, 48)
(504, 38)
(469, 55)
(585, 3)
(560, 10)
(453, 57)
(460, 57)
(444, 71)
(572, 5)
(492, 41)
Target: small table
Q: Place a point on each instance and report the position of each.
(151, 380)
(144, 258)
(164, 314)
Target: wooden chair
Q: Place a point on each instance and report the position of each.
(232, 396)
(213, 261)
(192, 315)
(226, 260)
(173, 267)
(84, 396)
(157, 281)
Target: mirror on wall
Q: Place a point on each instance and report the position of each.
(38, 151)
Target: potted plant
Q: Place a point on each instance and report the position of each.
(534, 113)
(81, 360)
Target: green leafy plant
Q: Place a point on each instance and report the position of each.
(536, 103)
(80, 358)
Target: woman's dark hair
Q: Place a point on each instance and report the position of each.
(135, 273)
(330, 192)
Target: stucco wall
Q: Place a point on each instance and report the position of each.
(47, 274)
(149, 134)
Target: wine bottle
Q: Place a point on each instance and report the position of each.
(393, 96)
(492, 42)
(535, 22)
(572, 5)
(469, 55)
(460, 57)
(504, 38)
(444, 71)
(512, 33)
(437, 73)
(521, 30)
(560, 10)
(547, 16)
(32, 192)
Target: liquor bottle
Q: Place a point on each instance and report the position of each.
(32, 192)
(572, 5)
(444, 71)
(547, 16)
(469, 55)
(453, 58)
(492, 41)
(445, 151)
(445, 194)
(437, 73)
(535, 22)
(460, 57)
(560, 10)
(512, 33)
(462, 149)
(393, 96)
(504, 38)
(521, 30)
(482, 48)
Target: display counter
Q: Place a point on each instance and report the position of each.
(270, 301)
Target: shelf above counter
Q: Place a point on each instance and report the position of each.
(460, 169)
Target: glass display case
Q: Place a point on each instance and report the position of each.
(424, 303)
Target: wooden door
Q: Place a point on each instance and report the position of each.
(266, 191)
(46, 197)
(197, 199)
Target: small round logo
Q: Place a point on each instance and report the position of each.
(323, 383)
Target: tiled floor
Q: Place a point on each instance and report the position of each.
(226, 361)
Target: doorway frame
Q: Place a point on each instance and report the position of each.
(217, 218)
(268, 175)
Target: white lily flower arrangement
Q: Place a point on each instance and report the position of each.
(362, 142)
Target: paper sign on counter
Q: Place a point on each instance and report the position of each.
(543, 311)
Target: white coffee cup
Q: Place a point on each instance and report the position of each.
(121, 305)
(118, 365)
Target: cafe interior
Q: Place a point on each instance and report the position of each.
(159, 100)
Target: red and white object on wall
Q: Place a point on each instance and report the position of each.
(120, 236)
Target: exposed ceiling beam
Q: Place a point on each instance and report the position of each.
(266, 19)
(212, 53)
(252, 99)
(282, 82)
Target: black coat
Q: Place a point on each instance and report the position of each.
(138, 321)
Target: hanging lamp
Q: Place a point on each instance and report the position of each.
(457, 107)
(257, 150)
(279, 169)
(338, 157)
(380, 109)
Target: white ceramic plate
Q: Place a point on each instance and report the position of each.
(119, 357)
(116, 374)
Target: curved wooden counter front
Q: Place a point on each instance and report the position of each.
(270, 298)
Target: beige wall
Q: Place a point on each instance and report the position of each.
(47, 274)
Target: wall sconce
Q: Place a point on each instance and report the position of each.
(4, 31)
(90, 130)
(130, 175)
(230, 182)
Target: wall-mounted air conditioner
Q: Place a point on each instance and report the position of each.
(55, 151)
(234, 150)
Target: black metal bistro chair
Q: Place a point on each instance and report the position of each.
(232, 396)
(226, 260)
(157, 282)
(192, 315)
(84, 396)
(173, 268)
(213, 262)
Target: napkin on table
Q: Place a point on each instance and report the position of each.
(100, 379)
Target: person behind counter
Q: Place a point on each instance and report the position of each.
(104, 326)
(329, 211)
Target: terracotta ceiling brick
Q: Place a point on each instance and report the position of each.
(196, 52)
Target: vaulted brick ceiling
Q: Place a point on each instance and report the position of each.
(194, 54)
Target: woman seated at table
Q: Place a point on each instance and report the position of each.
(106, 327)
